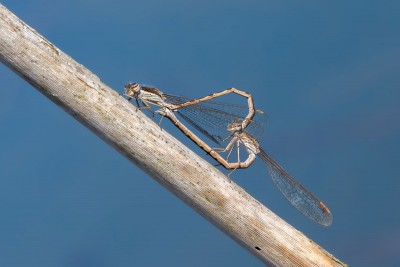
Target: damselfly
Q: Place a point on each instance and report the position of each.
(208, 117)
(295, 193)
(199, 111)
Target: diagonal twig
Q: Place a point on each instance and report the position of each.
(81, 93)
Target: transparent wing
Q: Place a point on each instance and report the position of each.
(200, 129)
(298, 195)
(212, 118)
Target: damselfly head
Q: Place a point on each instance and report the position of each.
(132, 89)
(234, 127)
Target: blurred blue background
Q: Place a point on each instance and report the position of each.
(327, 75)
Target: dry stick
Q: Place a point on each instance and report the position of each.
(82, 94)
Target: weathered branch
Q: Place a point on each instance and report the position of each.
(81, 93)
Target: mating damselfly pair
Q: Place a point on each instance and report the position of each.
(234, 124)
